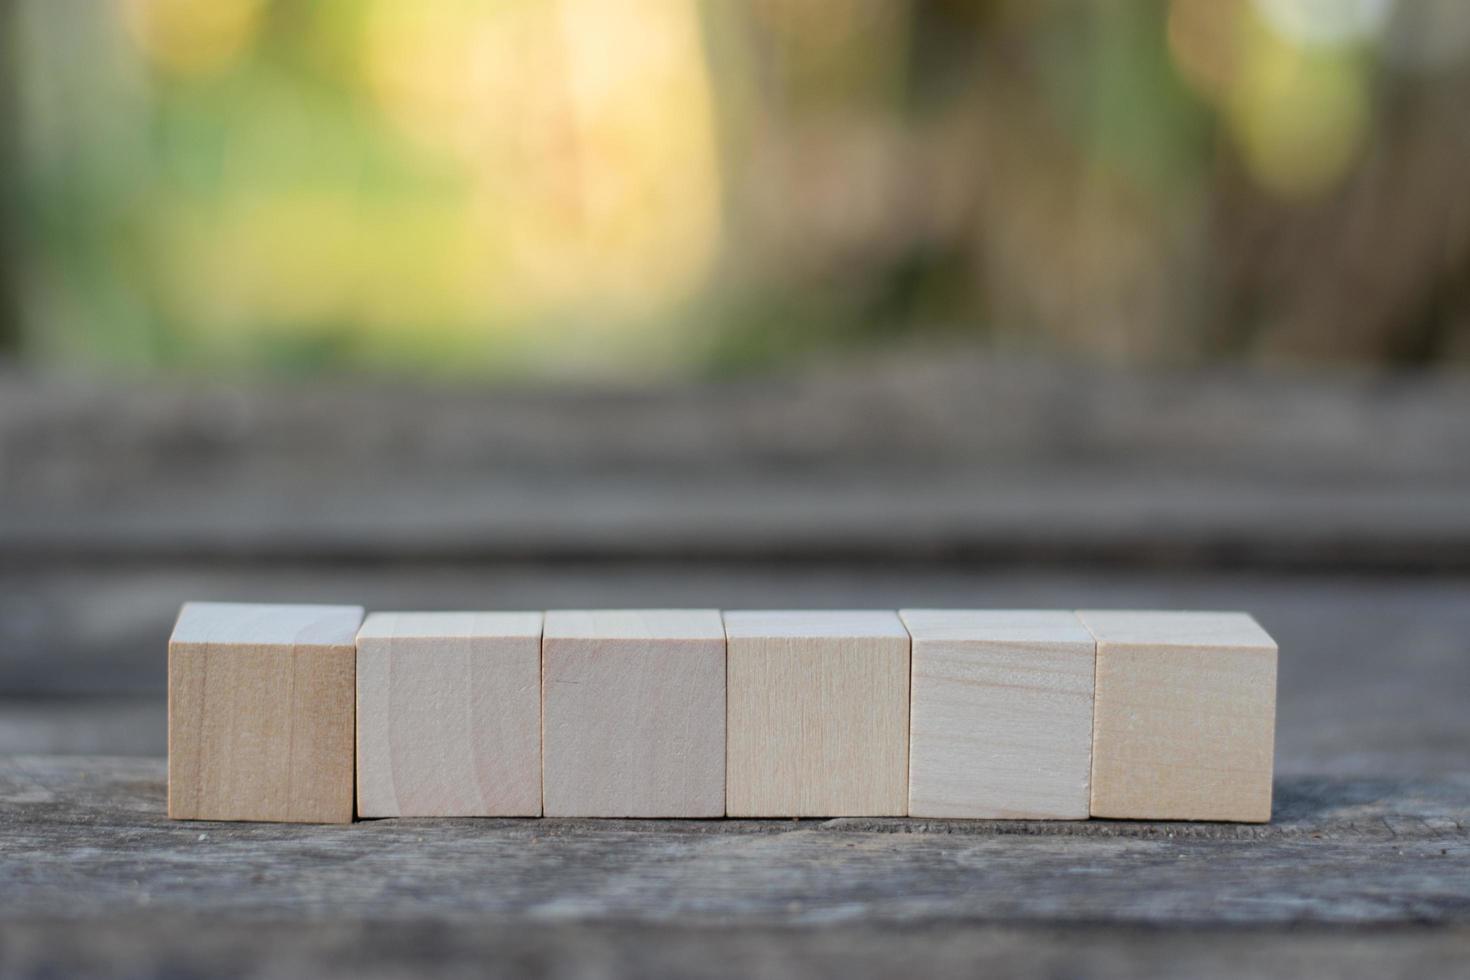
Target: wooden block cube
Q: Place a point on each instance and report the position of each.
(818, 714)
(1185, 718)
(1000, 722)
(449, 715)
(633, 708)
(260, 713)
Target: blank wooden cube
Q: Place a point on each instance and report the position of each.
(449, 715)
(260, 713)
(1000, 721)
(818, 714)
(1185, 718)
(633, 708)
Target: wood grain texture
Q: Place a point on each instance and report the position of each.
(818, 714)
(87, 836)
(94, 881)
(449, 715)
(1000, 721)
(260, 702)
(1185, 716)
(633, 713)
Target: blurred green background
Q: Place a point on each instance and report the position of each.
(636, 188)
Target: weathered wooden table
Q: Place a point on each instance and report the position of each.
(1336, 509)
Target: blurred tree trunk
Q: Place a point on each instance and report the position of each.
(9, 186)
(1380, 270)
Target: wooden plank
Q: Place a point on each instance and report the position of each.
(1117, 512)
(927, 406)
(1021, 461)
(88, 837)
(449, 715)
(139, 945)
(818, 714)
(260, 705)
(1185, 717)
(634, 713)
(1001, 714)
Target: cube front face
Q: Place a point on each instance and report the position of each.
(685, 713)
(1001, 721)
(1185, 717)
(449, 715)
(633, 708)
(818, 715)
(261, 713)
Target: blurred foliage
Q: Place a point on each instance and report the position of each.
(553, 187)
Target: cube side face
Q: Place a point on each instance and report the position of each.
(633, 728)
(449, 726)
(376, 794)
(261, 732)
(1184, 733)
(1001, 730)
(818, 727)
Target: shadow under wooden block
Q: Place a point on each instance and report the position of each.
(818, 714)
(449, 715)
(260, 713)
(1001, 714)
(633, 713)
(1185, 716)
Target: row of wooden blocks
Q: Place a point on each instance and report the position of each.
(308, 713)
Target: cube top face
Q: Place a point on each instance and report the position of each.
(1232, 630)
(813, 625)
(634, 624)
(451, 625)
(1185, 712)
(245, 624)
(1013, 626)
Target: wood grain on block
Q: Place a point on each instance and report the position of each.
(818, 714)
(260, 713)
(1185, 717)
(449, 715)
(633, 713)
(1000, 719)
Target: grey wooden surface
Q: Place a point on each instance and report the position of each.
(1335, 508)
(946, 457)
(1354, 875)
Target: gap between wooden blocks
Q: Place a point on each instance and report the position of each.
(312, 714)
